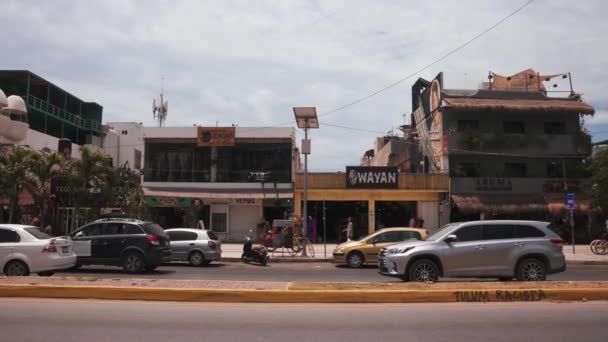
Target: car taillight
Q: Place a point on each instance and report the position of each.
(558, 242)
(50, 247)
(212, 244)
(153, 239)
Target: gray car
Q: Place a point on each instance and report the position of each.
(526, 250)
(198, 247)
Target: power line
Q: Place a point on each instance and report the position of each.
(441, 58)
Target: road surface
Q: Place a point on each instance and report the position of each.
(50, 320)
(296, 272)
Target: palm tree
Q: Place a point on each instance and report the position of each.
(84, 175)
(14, 166)
(42, 169)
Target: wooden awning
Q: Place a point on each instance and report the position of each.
(524, 106)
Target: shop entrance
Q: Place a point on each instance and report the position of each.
(336, 215)
(395, 213)
(179, 217)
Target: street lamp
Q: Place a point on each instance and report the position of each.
(306, 117)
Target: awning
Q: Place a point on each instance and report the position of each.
(500, 204)
(554, 204)
(196, 193)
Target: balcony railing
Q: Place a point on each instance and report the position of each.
(61, 113)
(204, 176)
(407, 181)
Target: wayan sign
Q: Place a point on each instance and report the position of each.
(372, 177)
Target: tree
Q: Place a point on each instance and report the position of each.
(14, 169)
(599, 180)
(126, 191)
(85, 176)
(42, 169)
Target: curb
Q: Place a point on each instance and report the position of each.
(282, 259)
(495, 294)
(587, 262)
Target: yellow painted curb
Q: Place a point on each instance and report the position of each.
(303, 296)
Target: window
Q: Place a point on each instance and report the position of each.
(554, 169)
(523, 232)
(8, 236)
(555, 127)
(410, 236)
(92, 230)
(515, 170)
(211, 236)
(387, 237)
(137, 158)
(35, 232)
(469, 170)
(183, 236)
(131, 229)
(219, 222)
(124, 132)
(514, 127)
(470, 233)
(498, 232)
(153, 228)
(111, 229)
(463, 125)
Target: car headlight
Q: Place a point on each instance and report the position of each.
(339, 250)
(400, 250)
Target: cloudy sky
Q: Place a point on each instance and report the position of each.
(250, 62)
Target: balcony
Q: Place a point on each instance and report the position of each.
(61, 114)
(407, 181)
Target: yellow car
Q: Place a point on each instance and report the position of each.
(365, 251)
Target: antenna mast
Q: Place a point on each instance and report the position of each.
(160, 111)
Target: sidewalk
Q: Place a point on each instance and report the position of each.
(233, 251)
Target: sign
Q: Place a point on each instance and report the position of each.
(216, 136)
(260, 176)
(570, 204)
(246, 201)
(358, 177)
(493, 184)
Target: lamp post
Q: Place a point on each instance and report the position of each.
(306, 117)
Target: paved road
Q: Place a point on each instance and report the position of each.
(296, 272)
(95, 321)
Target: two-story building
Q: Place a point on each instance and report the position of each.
(512, 148)
(230, 178)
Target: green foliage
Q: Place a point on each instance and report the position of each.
(599, 180)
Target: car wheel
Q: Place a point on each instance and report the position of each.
(531, 270)
(196, 259)
(133, 262)
(424, 270)
(355, 259)
(46, 273)
(16, 268)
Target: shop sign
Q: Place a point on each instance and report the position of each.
(216, 136)
(260, 176)
(372, 177)
(245, 201)
(493, 184)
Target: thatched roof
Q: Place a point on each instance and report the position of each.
(545, 106)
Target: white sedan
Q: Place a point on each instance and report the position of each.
(25, 250)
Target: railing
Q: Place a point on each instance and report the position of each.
(407, 181)
(204, 176)
(61, 113)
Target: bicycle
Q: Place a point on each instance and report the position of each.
(298, 246)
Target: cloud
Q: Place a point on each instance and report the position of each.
(249, 62)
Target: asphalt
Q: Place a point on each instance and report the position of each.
(306, 272)
(96, 321)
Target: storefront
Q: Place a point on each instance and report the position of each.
(374, 198)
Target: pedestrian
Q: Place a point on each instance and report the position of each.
(349, 229)
(36, 222)
(48, 229)
(412, 222)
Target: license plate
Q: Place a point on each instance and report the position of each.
(65, 249)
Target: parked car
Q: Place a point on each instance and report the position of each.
(526, 250)
(25, 250)
(198, 247)
(365, 251)
(135, 245)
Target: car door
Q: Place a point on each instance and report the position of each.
(8, 241)
(179, 244)
(462, 258)
(111, 242)
(376, 243)
(499, 242)
(87, 243)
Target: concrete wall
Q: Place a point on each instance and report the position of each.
(38, 141)
(131, 138)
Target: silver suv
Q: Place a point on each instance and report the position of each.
(526, 250)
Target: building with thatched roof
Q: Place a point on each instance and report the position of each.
(513, 148)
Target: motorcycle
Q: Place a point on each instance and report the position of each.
(254, 253)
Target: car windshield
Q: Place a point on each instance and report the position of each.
(441, 232)
(35, 232)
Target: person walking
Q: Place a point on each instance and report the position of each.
(349, 229)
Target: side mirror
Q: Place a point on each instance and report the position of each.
(451, 238)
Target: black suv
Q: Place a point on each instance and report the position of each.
(135, 245)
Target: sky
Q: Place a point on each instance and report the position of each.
(249, 63)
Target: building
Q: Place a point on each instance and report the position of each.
(374, 197)
(401, 152)
(230, 178)
(512, 148)
(53, 114)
